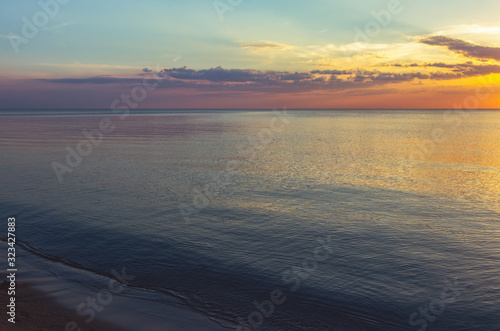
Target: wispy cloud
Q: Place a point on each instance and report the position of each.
(13, 36)
(469, 29)
(86, 65)
(95, 80)
(264, 45)
(57, 27)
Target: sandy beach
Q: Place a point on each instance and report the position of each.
(35, 311)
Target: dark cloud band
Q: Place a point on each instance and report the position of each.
(463, 47)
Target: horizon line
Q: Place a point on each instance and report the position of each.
(76, 109)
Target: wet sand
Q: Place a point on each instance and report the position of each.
(35, 311)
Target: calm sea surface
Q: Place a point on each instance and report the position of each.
(364, 220)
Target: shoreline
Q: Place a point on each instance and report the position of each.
(37, 311)
(46, 302)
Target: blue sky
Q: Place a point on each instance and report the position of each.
(119, 38)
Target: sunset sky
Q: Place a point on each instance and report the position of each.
(250, 54)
